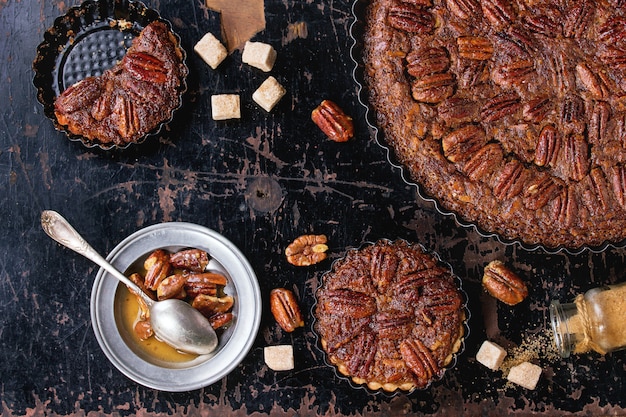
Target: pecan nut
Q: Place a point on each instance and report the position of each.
(285, 309)
(514, 73)
(434, 88)
(307, 250)
(504, 284)
(511, 180)
(79, 95)
(457, 110)
(365, 349)
(546, 24)
(220, 319)
(203, 283)
(190, 259)
(410, 285)
(462, 143)
(393, 325)
(590, 81)
(548, 146)
(598, 125)
(210, 305)
(475, 48)
(565, 207)
(536, 109)
(499, 12)
(419, 359)
(411, 19)
(613, 30)
(125, 112)
(145, 93)
(353, 304)
(601, 197)
(145, 67)
(614, 57)
(541, 189)
(484, 162)
(332, 120)
(444, 299)
(157, 267)
(573, 114)
(102, 106)
(618, 184)
(172, 287)
(383, 267)
(577, 18)
(500, 106)
(143, 329)
(464, 9)
(577, 156)
(427, 61)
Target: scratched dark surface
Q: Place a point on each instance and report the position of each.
(220, 175)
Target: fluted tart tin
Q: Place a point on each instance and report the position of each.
(495, 138)
(391, 317)
(85, 42)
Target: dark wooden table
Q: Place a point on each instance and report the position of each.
(218, 174)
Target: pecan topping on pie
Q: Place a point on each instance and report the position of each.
(131, 99)
(511, 114)
(390, 316)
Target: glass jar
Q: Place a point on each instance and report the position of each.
(596, 320)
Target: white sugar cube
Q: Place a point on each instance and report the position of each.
(211, 50)
(259, 55)
(491, 355)
(279, 358)
(269, 93)
(225, 106)
(525, 374)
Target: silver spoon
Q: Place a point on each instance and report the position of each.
(174, 321)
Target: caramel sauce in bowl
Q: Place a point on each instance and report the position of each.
(128, 314)
(151, 362)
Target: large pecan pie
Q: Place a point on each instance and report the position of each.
(390, 315)
(510, 113)
(131, 99)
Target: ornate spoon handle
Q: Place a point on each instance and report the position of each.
(60, 230)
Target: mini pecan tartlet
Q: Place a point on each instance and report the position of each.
(390, 316)
(131, 99)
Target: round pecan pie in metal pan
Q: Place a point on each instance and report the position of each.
(391, 316)
(510, 114)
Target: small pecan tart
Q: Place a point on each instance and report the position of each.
(509, 113)
(390, 316)
(133, 98)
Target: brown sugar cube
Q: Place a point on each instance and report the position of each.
(225, 106)
(525, 375)
(279, 358)
(269, 94)
(259, 55)
(211, 50)
(491, 355)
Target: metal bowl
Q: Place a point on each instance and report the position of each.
(126, 353)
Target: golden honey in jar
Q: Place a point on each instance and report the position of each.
(595, 321)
